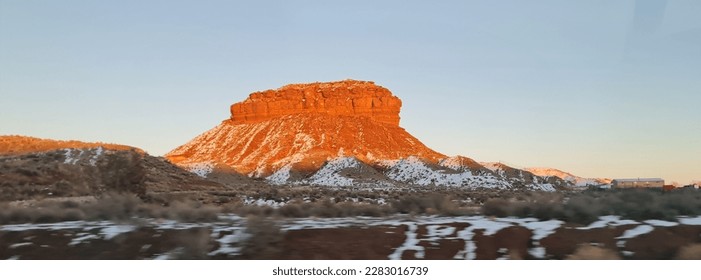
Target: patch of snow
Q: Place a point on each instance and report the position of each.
(226, 241)
(329, 175)
(639, 230)
(83, 236)
(49, 226)
(573, 179)
(439, 230)
(414, 171)
(280, 176)
(202, 169)
(263, 202)
(20, 245)
(695, 221)
(537, 252)
(96, 156)
(490, 227)
(542, 229)
(452, 163)
(172, 224)
(544, 187)
(410, 243)
(661, 223)
(166, 256)
(114, 230)
(606, 221)
(68, 154)
(493, 166)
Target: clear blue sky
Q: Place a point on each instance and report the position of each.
(598, 88)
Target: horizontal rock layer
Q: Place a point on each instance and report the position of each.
(341, 98)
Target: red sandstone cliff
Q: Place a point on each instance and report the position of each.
(304, 125)
(342, 98)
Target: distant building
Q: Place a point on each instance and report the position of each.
(637, 183)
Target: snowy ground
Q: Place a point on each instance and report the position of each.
(230, 232)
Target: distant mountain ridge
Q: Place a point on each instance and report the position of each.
(18, 144)
(573, 179)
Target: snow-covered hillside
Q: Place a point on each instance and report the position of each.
(449, 172)
(569, 177)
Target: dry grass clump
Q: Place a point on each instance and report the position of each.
(194, 244)
(689, 252)
(264, 241)
(591, 252)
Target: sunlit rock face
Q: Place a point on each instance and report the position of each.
(302, 126)
(342, 98)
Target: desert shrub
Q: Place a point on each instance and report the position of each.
(581, 210)
(426, 204)
(547, 211)
(192, 211)
(587, 206)
(193, 243)
(497, 207)
(684, 201)
(326, 209)
(123, 171)
(690, 252)
(264, 241)
(371, 210)
(591, 252)
(292, 210)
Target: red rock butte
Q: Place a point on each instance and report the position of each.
(301, 126)
(342, 98)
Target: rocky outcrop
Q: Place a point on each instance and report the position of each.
(341, 98)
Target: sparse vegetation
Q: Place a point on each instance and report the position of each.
(112, 206)
(587, 206)
(306, 201)
(264, 239)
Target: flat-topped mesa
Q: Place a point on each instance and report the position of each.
(340, 98)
